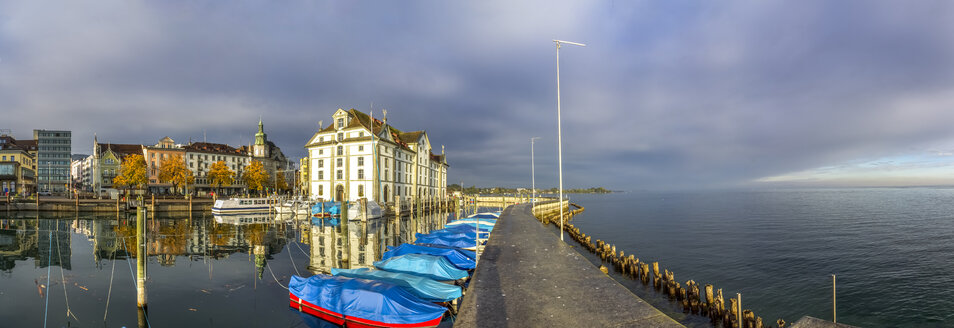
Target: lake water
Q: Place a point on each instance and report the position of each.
(891, 249)
(231, 271)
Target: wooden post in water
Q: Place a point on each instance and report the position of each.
(739, 311)
(141, 256)
(834, 313)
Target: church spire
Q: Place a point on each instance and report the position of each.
(260, 137)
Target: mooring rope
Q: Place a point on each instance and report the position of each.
(112, 273)
(292, 260)
(48, 268)
(273, 275)
(59, 254)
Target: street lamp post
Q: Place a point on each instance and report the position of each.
(533, 177)
(560, 129)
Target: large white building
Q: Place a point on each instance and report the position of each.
(360, 157)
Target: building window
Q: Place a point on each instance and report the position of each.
(340, 136)
(321, 190)
(360, 190)
(361, 134)
(360, 174)
(340, 150)
(361, 148)
(321, 163)
(339, 174)
(341, 123)
(360, 161)
(321, 175)
(340, 162)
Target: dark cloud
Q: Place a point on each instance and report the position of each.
(666, 94)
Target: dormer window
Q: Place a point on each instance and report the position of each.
(341, 123)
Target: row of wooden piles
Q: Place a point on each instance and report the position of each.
(711, 304)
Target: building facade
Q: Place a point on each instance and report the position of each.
(53, 160)
(17, 167)
(362, 157)
(199, 159)
(155, 155)
(271, 158)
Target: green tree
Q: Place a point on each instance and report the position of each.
(174, 170)
(255, 176)
(220, 174)
(132, 172)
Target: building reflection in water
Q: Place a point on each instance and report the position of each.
(332, 244)
(358, 244)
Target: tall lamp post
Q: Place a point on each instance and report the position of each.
(533, 176)
(560, 129)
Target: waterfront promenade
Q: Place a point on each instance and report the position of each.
(527, 277)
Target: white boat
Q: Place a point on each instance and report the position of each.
(373, 211)
(296, 207)
(250, 218)
(240, 205)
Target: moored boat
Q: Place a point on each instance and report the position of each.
(372, 210)
(427, 289)
(240, 205)
(355, 302)
(430, 266)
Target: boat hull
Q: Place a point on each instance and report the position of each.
(342, 320)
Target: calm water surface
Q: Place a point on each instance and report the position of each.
(205, 271)
(891, 249)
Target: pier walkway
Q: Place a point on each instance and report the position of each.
(527, 277)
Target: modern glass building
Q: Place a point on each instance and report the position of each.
(53, 149)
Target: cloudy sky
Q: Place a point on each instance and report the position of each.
(666, 94)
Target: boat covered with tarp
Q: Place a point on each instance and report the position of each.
(485, 215)
(325, 209)
(452, 234)
(426, 288)
(447, 240)
(461, 258)
(483, 224)
(355, 302)
(430, 266)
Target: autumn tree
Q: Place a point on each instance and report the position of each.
(280, 182)
(174, 170)
(255, 176)
(132, 172)
(220, 174)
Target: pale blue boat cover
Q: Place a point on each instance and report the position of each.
(453, 234)
(434, 267)
(366, 299)
(326, 207)
(460, 258)
(426, 288)
(485, 215)
(463, 228)
(447, 240)
(483, 224)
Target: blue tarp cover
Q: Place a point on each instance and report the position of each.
(463, 227)
(366, 299)
(484, 225)
(460, 258)
(324, 221)
(434, 267)
(452, 241)
(426, 288)
(327, 207)
(486, 215)
(453, 234)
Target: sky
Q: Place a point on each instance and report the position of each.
(665, 95)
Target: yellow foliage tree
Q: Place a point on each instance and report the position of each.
(280, 182)
(132, 172)
(220, 174)
(255, 176)
(174, 170)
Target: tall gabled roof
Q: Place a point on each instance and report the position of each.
(122, 150)
(208, 147)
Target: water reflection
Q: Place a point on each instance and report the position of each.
(210, 269)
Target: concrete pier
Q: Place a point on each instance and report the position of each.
(526, 277)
